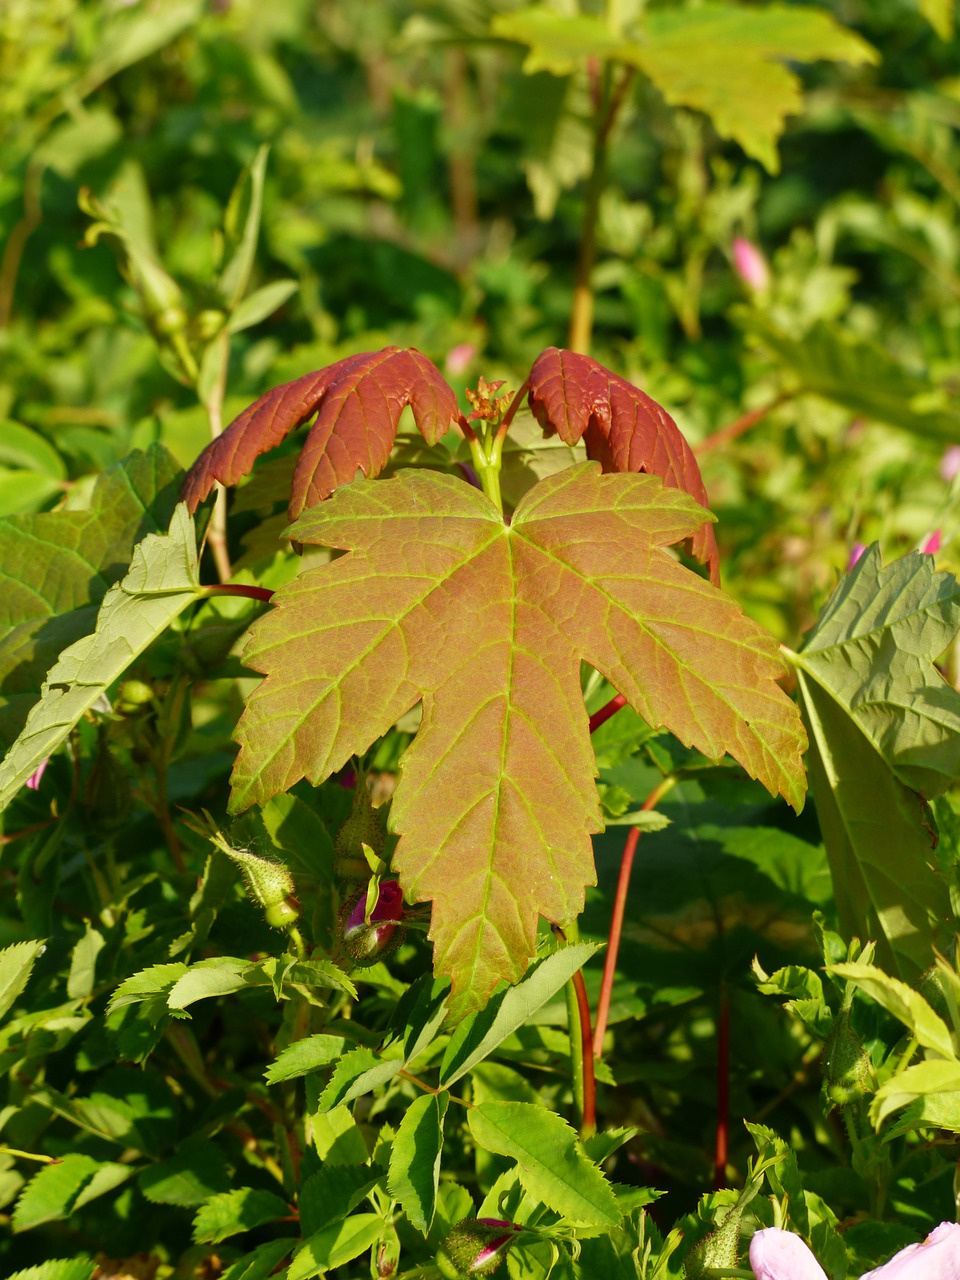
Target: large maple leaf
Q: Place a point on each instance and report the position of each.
(358, 402)
(622, 428)
(440, 599)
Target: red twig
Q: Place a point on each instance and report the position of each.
(589, 1122)
(511, 411)
(239, 589)
(619, 908)
(723, 1090)
(606, 711)
(733, 430)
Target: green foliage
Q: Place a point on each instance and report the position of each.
(731, 230)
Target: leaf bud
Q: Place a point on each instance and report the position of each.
(477, 1246)
(208, 324)
(170, 320)
(371, 934)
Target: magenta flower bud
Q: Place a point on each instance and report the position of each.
(459, 357)
(937, 1258)
(931, 543)
(33, 782)
(370, 941)
(750, 265)
(950, 463)
(856, 551)
(477, 1246)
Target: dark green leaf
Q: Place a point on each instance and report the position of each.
(198, 1170)
(235, 1211)
(415, 1159)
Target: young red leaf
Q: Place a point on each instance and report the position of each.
(358, 402)
(622, 428)
(440, 599)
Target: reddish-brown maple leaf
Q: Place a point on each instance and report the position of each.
(622, 428)
(439, 599)
(358, 402)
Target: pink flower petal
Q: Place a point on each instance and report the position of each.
(778, 1255)
(750, 265)
(950, 463)
(938, 1258)
(856, 551)
(931, 544)
(33, 782)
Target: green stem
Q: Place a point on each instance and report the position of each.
(487, 455)
(571, 933)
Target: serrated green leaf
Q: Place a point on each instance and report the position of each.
(305, 1055)
(415, 1159)
(688, 55)
(52, 1192)
(357, 1073)
(260, 1263)
(58, 1269)
(352, 645)
(552, 1165)
(333, 1192)
(218, 976)
(336, 1245)
(198, 1170)
(16, 965)
(903, 1002)
(873, 650)
(477, 1036)
(83, 964)
(860, 375)
(56, 567)
(230, 1213)
(146, 985)
(932, 1077)
(161, 581)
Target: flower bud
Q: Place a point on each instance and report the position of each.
(361, 828)
(750, 265)
(133, 696)
(477, 1246)
(847, 1071)
(369, 938)
(269, 884)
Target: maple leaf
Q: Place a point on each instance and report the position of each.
(358, 402)
(622, 428)
(439, 599)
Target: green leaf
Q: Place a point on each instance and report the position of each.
(261, 304)
(260, 1263)
(305, 1055)
(477, 1036)
(218, 976)
(552, 1165)
(242, 226)
(22, 447)
(883, 724)
(861, 376)
(357, 1073)
(496, 799)
(83, 964)
(161, 582)
(56, 567)
(903, 1002)
(689, 53)
(146, 985)
(16, 965)
(415, 1159)
(235, 1211)
(932, 1077)
(333, 1192)
(336, 1245)
(940, 15)
(198, 1170)
(81, 1268)
(52, 1193)
(873, 650)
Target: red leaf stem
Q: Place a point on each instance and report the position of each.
(606, 711)
(240, 589)
(589, 1121)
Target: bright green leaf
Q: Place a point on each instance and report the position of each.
(933, 1077)
(235, 1211)
(333, 1192)
(83, 964)
(16, 965)
(415, 1159)
(260, 1263)
(258, 306)
(218, 976)
(553, 1167)
(357, 1073)
(305, 1055)
(903, 1002)
(161, 582)
(22, 447)
(242, 225)
(941, 15)
(336, 1245)
(52, 1192)
(146, 985)
(81, 1268)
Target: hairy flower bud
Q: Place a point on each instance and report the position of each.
(361, 828)
(269, 884)
(477, 1246)
(371, 938)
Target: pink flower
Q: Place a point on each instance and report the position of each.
(931, 543)
(856, 551)
(950, 463)
(750, 265)
(477, 1246)
(778, 1255)
(459, 357)
(369, 942)
(33, 782)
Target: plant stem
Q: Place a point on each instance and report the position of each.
(239, 589)
(581, 315)
(213, 403)
(733, 430)
(606, 711)
(619, 908)
(576, 1026)
(723, 1090)
(588, 1124)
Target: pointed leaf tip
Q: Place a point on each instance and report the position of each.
(623, 429)
(358, 402)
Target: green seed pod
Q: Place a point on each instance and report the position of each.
(281, 915)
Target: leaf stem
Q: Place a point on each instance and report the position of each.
(606, 711)
(619, 908)
(239, 589)
(487, 451)
(511, 413)
(588, 1125)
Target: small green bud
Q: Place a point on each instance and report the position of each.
(361, 828)
(170, 320)
(477, 1246)
(268, 883)
(133, 696)
(209, 323)
(719, 1250)
(281, 915)
(847, 1071)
